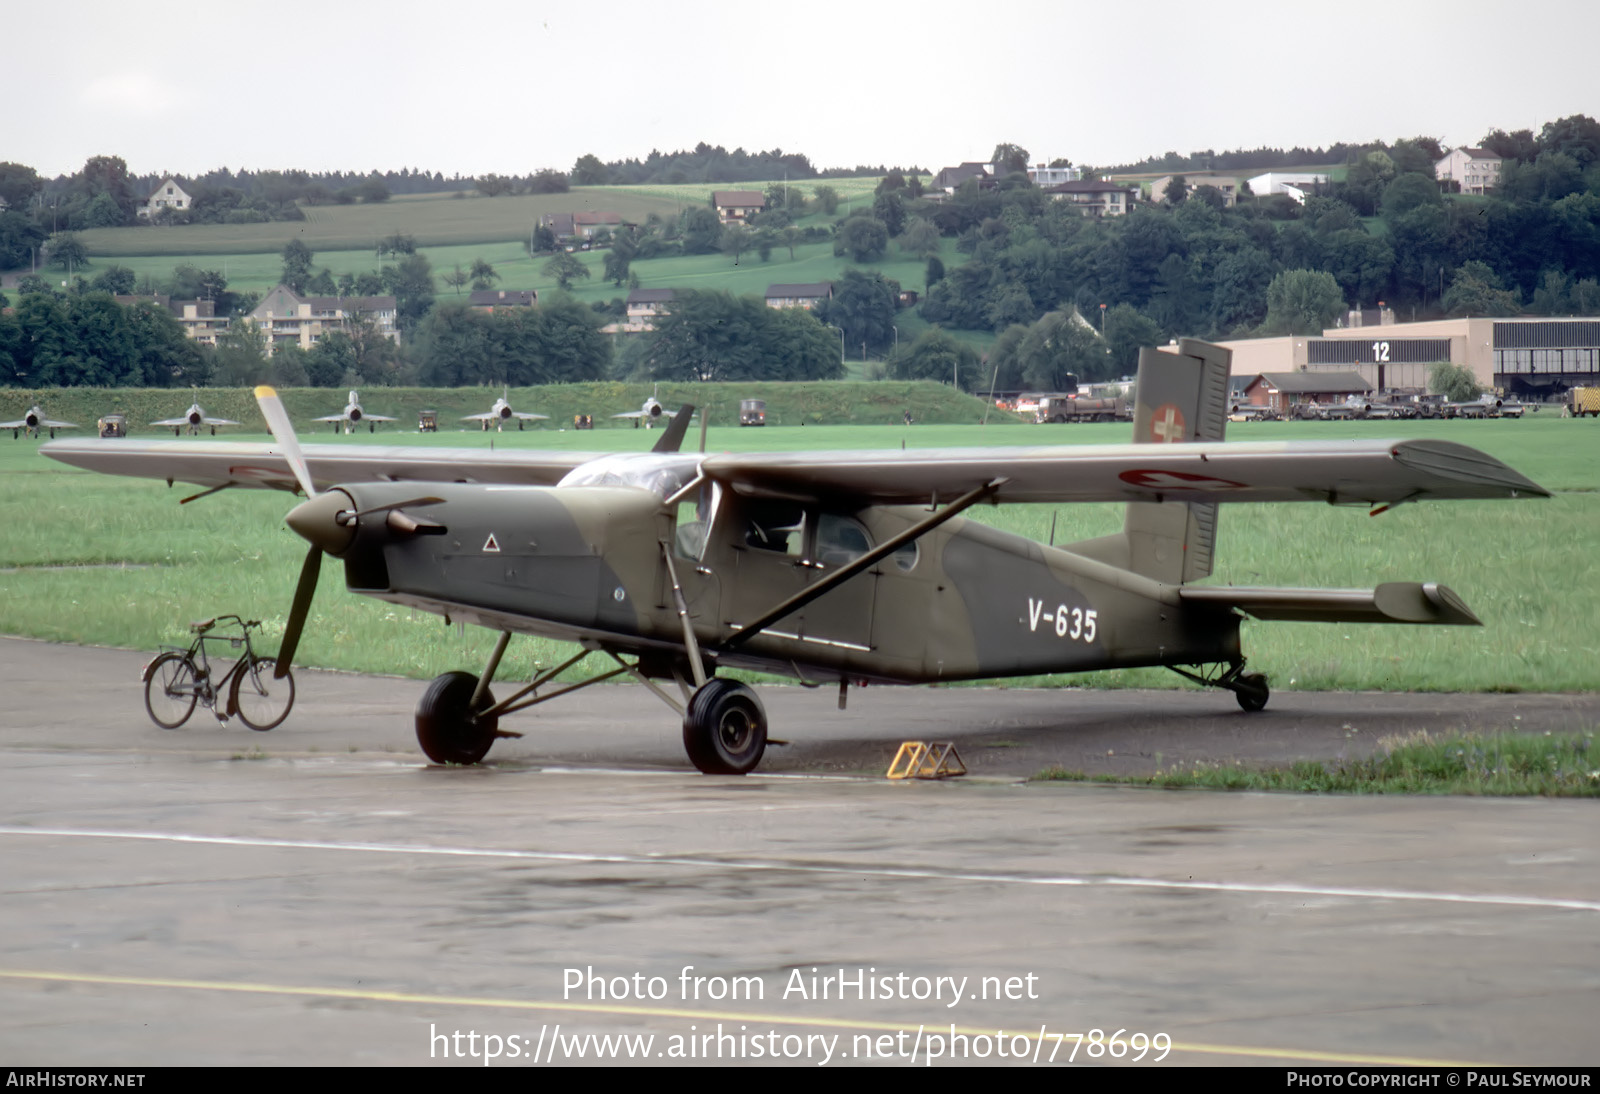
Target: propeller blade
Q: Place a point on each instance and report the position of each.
(283, 432)
(303, 592)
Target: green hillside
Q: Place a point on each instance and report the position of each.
(840, 403)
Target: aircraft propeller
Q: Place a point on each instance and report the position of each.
(327, 521)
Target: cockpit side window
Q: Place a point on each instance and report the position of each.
(778, 526)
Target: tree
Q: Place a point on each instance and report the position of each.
(1454, 382)
(863, 238)
(18, 184)
(827, 199)
(702, 231)
(1177, 190)
(411, 282)
(397, 244)
(863, 306)
(933, 273)
(888, 208)
(589, 171)
(456, 279)
(115, 280)
(1475, 290)
(548, 182)
(20, 238)
(1127, 331)
(938, 355)
(736, 240)
(1059, 348)
(920, 238)
(1302, 302)
(1010, 157)
(564, 269)
(483, 275)
(67, 252)
(296, 266)
(492, 185)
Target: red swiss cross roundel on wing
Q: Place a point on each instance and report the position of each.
(1167, 425)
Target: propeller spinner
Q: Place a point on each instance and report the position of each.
(327, 521)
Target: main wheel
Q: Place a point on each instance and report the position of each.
(1252, 691)
(725, 728)
(171, 686)
(260, 698)
(447, 730)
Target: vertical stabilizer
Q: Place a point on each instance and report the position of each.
(1180, 397)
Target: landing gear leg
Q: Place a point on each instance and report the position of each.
(725, 728)
(1250, 688)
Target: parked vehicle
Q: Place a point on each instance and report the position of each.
(753, 412)
(1582, 401)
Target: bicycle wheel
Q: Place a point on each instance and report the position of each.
(261, 699)
(170, 688)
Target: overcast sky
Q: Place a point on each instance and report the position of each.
(513, 88)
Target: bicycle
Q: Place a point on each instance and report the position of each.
(178, 679)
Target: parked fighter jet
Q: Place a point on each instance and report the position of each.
(194, 418)
(501, 413)
(842, 567)
(33, 421)
(648, 414)
(352, 415)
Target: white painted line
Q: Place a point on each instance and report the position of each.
(845, 869)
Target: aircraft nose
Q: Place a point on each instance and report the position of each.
(317, 521)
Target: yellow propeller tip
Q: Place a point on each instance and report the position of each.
(265, 392)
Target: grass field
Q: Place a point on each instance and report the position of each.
(116, 561)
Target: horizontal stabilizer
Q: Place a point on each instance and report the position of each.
(1391, 602)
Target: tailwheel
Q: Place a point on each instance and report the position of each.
(725, 728)
(448, 731)
(1252, 692)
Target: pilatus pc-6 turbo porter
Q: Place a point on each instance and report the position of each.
(837, 567)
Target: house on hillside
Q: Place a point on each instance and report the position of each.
(949, 179)
(490, 299)
(806, 295)
(643, 307)
(738, 206)
(561, 225)
(286, 318)
(587, 224)
(1041, 175)
(1095, 199)
(169, 195)
(1226, 185)
(1476, 170)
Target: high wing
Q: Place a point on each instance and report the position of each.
(1338, 472)
(214, 464)
(1353, 473)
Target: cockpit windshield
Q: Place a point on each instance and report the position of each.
(663, 475)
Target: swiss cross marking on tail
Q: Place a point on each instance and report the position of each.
(1167, 425)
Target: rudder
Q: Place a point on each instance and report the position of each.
(1179, 397)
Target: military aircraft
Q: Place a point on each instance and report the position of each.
(501, 413)
(194, 418)
(34, 421)
(648, 414)
(352, 414)
(833, 567)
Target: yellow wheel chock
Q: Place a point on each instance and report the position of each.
(926, 760)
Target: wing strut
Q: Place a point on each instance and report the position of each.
(871, 558)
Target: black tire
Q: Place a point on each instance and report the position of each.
(448, 732)
(261, 700)
(171, 687)
(725, 729)
(1252, 692)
